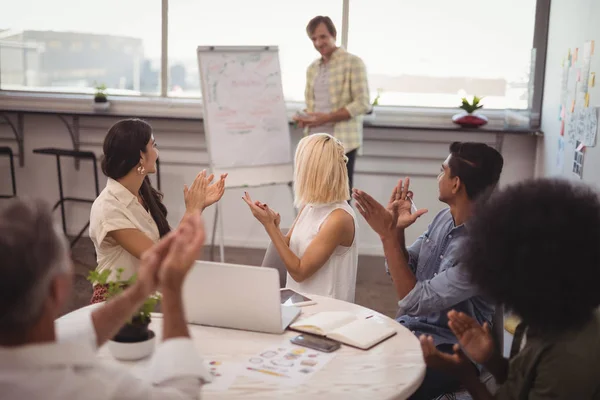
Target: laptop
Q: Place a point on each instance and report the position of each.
(236, 296)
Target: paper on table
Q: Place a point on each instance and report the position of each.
(285, 364)
(223, 374)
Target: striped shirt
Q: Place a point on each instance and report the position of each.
(348, 88)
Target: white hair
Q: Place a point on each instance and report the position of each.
(33, 252)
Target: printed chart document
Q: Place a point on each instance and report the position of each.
(286, 364)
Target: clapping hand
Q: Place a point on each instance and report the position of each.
(182, 252)
(262, 212)
(380, 219)
(215, 191)
(476, 340)
(401, 199)
(456, 364)
(195, 195)
(175, 252)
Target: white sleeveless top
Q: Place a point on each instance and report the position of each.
(337, 277)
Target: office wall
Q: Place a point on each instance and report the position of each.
(388, 155)
(572, 23)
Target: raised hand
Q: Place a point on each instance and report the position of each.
(185, 245)
(150, 261)
(405, 217)
(456, 364)
(214, 191)
(380, 219)
(476, 340)
(195, 195)
(262, 212)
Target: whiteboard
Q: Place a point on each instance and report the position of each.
(245, 117)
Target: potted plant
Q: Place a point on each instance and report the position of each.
(100, 100)
(469, 118)
(370, 115)
(134, 340)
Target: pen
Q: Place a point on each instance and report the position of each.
(413, 206)
(265, 371)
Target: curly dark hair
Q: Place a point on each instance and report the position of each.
(535, 247)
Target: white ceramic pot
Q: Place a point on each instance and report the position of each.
(132, 351)
(102, 106)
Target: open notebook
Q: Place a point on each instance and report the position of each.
(346, 328)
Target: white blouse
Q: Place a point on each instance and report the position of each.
(337, 277)
(117, 208)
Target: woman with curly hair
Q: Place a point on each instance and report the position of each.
(534, 247)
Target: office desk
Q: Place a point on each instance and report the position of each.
(393, 369)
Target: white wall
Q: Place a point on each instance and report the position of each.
(572, 23)
(388, 155)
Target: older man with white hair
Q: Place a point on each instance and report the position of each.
(38, 361)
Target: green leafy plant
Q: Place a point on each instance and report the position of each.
(100, 94)
(115, 287)
(376, 100)
(473, 106)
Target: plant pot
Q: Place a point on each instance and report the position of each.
(133, 341)
(469, 120)
(132, 351)
(101, 103)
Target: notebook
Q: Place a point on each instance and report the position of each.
(346, 328)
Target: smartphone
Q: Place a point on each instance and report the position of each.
(316, 343)
(292, 298)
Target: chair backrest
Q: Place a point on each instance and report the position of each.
(273, 260)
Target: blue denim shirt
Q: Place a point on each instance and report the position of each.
(443, 283)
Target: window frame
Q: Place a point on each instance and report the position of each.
(189, 108)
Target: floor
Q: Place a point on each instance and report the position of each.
(374, 289)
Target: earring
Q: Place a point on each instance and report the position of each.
(141, 170)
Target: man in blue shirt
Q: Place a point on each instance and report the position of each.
(429, 276)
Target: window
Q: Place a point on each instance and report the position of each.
(429, 53)
(244, 23)
(69, 45)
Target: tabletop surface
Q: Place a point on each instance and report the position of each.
(393, 369)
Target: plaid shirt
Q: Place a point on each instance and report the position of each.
(348, 88)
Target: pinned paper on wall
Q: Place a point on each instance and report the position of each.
(586, 66)
(571, 128)
(560, 155)
(590, 134)
(578, 160)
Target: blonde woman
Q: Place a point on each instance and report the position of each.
(319, 251)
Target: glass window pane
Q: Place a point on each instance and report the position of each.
(195, 23)
(68, 45)
(430, 52)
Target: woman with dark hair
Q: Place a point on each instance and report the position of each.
(128, 217)
(533, 247)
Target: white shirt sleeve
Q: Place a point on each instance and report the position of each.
(176, 371)
(77, 326)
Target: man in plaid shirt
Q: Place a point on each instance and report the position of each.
(337, 92)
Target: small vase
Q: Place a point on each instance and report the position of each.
(133, 341)
(128, 351)
(101, 106)
(469, 120)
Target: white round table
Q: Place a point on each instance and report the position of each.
(393, 369)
